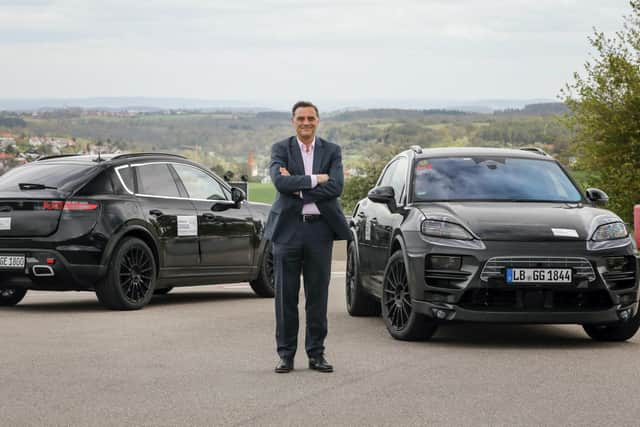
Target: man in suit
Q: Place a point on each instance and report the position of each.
(304, 221)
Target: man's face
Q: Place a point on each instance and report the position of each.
(305, 121)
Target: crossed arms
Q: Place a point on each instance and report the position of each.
(329, 185)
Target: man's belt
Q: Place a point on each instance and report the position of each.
(310, 218)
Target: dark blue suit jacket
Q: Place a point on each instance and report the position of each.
(286, 210)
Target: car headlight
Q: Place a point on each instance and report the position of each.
(445, 229)
(611, 231)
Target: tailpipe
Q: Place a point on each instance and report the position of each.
(42, 271)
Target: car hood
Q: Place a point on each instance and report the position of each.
(523, 220)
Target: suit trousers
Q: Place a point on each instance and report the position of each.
(309, 253)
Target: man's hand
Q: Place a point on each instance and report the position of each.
(285, 172)
(322, 178)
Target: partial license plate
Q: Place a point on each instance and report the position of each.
(11, 261)
(539, 275)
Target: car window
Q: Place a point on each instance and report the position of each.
(101, 184)
(399, 178)
(155, 179)
(494, 179)
(126, 174)
(387, 175)
(199, 184)
(63, 176)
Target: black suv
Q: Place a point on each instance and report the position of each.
(126, 226)
(489, 235)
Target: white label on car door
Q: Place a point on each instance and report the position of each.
(5, 223)
(564, 232)
(187, 225)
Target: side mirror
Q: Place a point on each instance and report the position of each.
(597, 196)
(384, 195)
(237, 195)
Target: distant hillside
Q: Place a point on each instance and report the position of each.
(540, 109)
(394, 114)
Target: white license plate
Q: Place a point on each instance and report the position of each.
(538, 275)
(11, 261)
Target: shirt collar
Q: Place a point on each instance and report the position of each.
(303, 147)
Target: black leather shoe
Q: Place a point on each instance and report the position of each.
(284, 366)
(320, 364)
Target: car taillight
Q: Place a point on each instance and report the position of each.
(54, 205)
(58, 205)
(80, 206)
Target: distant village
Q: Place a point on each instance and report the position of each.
(17, 150)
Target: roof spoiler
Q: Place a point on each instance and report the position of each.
(131, 155)
(536, 150)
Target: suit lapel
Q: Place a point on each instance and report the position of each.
(296, 165)
(318, 152)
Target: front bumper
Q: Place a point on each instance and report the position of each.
(451, 312)
(464, 296)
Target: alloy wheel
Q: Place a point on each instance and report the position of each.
(136, 273)
(268, 268)
(396, 296)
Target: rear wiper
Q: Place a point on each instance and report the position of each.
(30, 186)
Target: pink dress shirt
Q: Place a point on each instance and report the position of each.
(307, 159)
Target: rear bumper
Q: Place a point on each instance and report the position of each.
(452, 312)
(38, 274)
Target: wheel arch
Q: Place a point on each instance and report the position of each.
(398, 243)
(140, 232)
(354, 242)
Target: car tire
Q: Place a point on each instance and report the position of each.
(403, 323)
(11, 296)
(162, 291)
(264, 284)
(620, 331)
(359, 303)
(131, 278)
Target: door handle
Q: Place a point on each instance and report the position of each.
(361, 214)
(156, 212)
(374, 219)
(208, 215)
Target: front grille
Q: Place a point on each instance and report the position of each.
(535, 299)
(494, 268)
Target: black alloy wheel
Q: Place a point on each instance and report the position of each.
(402, 321)
(11, 296)
(265, 284)
(131, 280)
(359, 303)
(136, 272)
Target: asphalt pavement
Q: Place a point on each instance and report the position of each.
(205, 356)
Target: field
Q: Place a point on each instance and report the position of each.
(265, 193)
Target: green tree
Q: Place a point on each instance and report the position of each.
(357, 187)
(605, 103)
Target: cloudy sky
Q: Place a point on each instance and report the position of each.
(276, 51)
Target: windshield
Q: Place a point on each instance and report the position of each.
(492, 179)
(60, 176)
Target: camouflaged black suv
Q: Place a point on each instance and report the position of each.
(489, 235)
